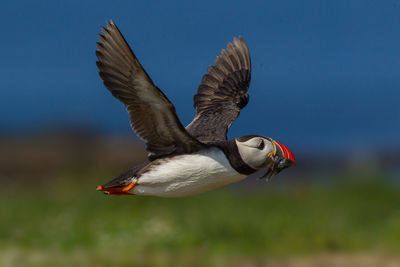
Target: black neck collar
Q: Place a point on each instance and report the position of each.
(232, 153)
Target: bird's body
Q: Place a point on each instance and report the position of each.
(186, 161)
(184, 175)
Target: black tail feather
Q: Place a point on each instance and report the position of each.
(125, 178)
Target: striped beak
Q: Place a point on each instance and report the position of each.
(280, 159)
(284, 152)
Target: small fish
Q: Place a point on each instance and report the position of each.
(277, 165)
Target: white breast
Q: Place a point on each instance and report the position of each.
(187, 175)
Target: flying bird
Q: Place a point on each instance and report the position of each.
(197, 158)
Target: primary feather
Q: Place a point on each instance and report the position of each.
(152, 115)
(222, 93)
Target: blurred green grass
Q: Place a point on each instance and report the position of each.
(65, 222)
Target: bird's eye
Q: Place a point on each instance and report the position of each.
(261, 145)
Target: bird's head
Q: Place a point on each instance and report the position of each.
(260, 152)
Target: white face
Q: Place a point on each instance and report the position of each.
(255, 152)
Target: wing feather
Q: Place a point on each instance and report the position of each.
(152, 115)
(222, 93)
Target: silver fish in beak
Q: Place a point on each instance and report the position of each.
(282, 158)
(276, 167)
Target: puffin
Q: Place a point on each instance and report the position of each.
(184, 161)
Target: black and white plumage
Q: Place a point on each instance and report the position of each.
(185, 161)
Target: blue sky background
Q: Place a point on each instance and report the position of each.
(325, 73)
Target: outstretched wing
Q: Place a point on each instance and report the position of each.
(222, 93)
(152, 115)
